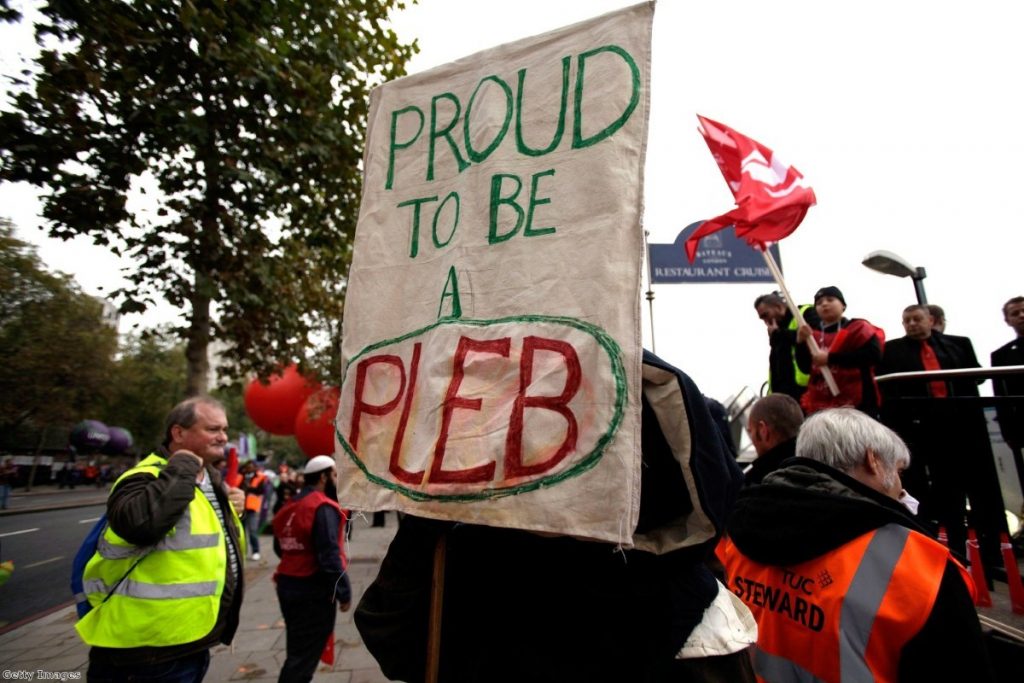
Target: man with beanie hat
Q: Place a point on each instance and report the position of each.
(849, 348)
(311, 577)
(831, 291)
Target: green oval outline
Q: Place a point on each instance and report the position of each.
(586, 463)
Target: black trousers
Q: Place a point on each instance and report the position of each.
(951, 463)
(309, 612)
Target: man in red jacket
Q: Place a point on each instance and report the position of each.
(311, 577)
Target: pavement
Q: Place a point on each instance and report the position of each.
(51, 644)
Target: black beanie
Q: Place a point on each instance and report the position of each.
(829, 291)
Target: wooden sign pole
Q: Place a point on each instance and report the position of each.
(436, 604)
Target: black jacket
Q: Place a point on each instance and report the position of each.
(1011, 417)
(781, 368)
(770, 461)
(927, 425)
(904, 355)
(141, 510)
(807, 509)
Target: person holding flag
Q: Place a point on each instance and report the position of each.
(850, 349)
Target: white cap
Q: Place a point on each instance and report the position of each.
(319, 464)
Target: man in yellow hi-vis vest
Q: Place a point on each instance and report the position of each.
(165, 583)
(784, 375)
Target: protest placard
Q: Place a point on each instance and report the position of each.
(491, 351)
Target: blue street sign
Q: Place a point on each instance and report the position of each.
(721, 257)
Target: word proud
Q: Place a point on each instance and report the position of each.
(475, 409)
(455, 131)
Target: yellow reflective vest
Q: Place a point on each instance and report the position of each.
(160, 595)
(801, 377)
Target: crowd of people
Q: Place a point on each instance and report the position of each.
(952, 461)
(827, 565)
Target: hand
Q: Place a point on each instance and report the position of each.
(190, 454)
(803, 333)
(344, 606)
(819, 358)
(237, 499)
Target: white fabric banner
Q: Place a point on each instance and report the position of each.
(491, 355)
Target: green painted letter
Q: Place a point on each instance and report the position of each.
(497, 200)
(474, 155)
(414, 241)
(529, 230)
(578, 141)
(395, 145)
(455, 223)
(559, 127)
(445, 133)
(451, 289)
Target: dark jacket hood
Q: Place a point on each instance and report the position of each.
(769, 461)
(807, 509)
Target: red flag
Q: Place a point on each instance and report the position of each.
(771, 197)
(232, 477)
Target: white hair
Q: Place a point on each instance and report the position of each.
(842, 437)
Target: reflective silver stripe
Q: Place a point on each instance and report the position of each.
(864, 597)
(184, 539)
(109, 551)
(155, 591)
(781, 670)
(181, 538)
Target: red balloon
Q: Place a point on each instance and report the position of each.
(273, 407)
(314, 425)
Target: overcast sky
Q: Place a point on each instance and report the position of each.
(905, 117)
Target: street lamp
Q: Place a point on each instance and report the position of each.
(891, 264)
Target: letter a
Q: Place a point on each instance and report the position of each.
(451, 289)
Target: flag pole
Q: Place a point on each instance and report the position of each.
(791, 304)
(650, 288)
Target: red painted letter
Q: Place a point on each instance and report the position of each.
(514, 466)
(396, 448)
(360, 407)
(452, 400)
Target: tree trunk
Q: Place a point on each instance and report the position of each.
(198, 377)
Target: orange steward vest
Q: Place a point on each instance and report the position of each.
(844, 616)
(254, 501)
